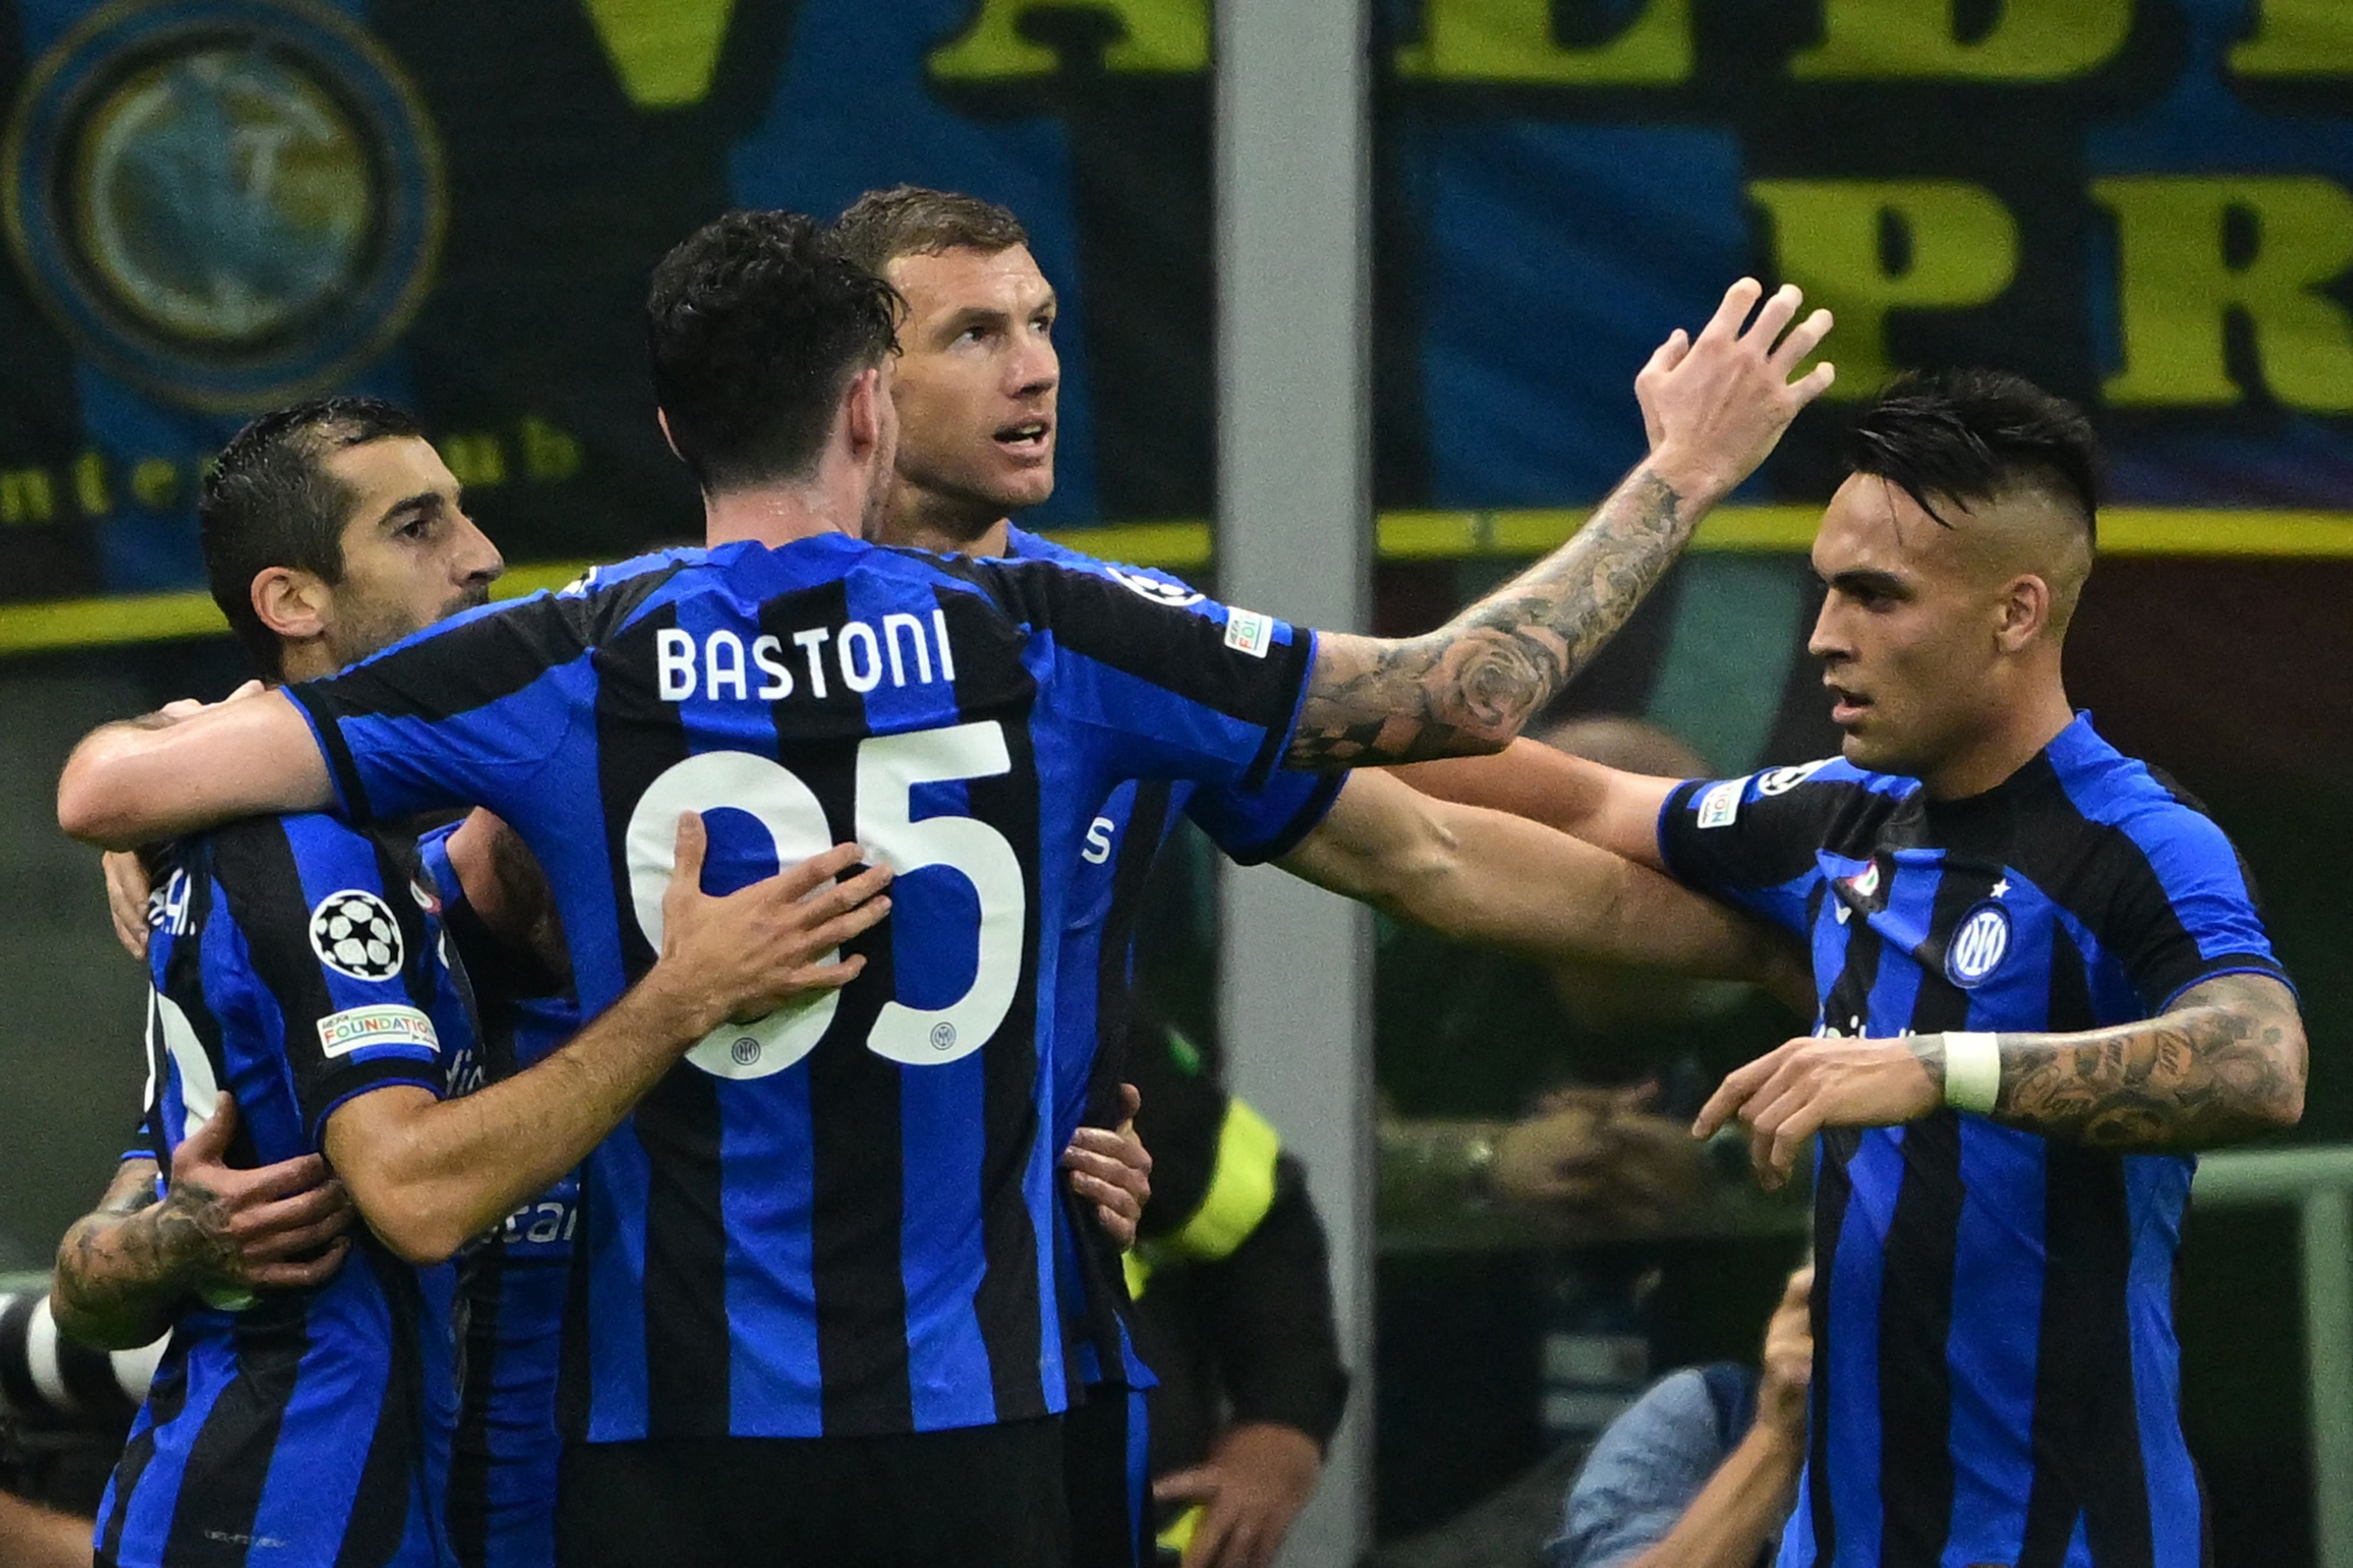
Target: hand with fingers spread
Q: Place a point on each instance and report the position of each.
(1802, 1086)
(1111, 1168)
(1715, 404)
(741, 956)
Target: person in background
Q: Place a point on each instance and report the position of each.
(1232, 1287)
(1701, 1471)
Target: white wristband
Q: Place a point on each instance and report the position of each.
(1972, 1072)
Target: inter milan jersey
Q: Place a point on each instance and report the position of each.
(295, 964)
(511, 1284)
(836, 1220)
(1996, 1378)
(1097, 966)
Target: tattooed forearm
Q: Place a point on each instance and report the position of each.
(1475, 682)
(2227, 1063)
(124, 1269)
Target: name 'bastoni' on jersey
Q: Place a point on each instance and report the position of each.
(837, 1220)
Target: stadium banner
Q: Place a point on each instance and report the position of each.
(216, 207)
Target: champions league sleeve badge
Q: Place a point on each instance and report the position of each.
(228, 203)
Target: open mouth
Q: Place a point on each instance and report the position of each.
(1846, 706)
(1027, 439)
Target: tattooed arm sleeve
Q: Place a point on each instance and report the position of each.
(2226, 1062)
(124, 1268)
(1473, 684)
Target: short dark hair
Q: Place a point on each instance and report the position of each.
(756, 322)
(269, 500)
(1968, 434)
(881, 226)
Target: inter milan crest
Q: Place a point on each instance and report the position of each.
(354, 933)
(228, 203)
(1979, 946)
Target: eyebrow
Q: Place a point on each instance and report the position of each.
(1866, 581)
(423, 500)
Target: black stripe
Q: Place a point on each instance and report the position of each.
(1916, 1296)
(263, 881)
(638, 738)
(1139, 850)
(573, 1390)
(1007, 1304)
(391, 1474)
(322, 712)
(230, 1461)
(470, 1458)
(167, 1396)
(1173, 650)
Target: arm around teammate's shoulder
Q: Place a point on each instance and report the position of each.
(430, 1175)
(142, 780)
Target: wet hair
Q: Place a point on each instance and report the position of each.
(881, 226)
(755, 324)
(1972, 434)
(269, 500)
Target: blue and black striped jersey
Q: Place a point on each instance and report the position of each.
(837, 1220)
(1996, 1378)
(1091, 1015)
(513, 1284)
(296, 963)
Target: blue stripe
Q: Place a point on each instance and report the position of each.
(767, 1196)
(1997, 1326)
(1139, 1460)
(2156, 1192)
(621, 1177)
(940, 1255)
(332, 1415)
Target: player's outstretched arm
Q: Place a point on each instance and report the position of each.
(1718, 404)
(2225, 1062)
(125, 1269)
(142, 780)
(1484, 876)
(1619, 810)
(430, 1175)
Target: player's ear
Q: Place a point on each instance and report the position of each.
(668, 440)
(292, 603)
(862, 412)
(2025, 612)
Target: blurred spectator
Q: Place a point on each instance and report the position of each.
(1533, 1141)
(1232, 1287)
(1700, 1472)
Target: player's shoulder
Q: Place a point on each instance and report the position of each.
(1149, 581)
(2143, 804)
(1818, 787)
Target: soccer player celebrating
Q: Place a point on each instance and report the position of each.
(2043, 981)
(762, 1268)
(302, 972)
(976, 392)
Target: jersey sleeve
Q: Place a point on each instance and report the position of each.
(465, 712)
(1751, 841)
(1254, 826)
(2186, 910)
(1199, 690)
(345, 970)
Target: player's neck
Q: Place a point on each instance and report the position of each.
(2022, 730)
(774, 515)
(925, 519)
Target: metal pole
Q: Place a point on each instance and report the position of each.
(2328, 1226)
(1294, 538)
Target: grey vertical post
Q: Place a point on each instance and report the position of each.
(1295, 539)
(2327, 1238)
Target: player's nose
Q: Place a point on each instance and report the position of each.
(479, 559)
